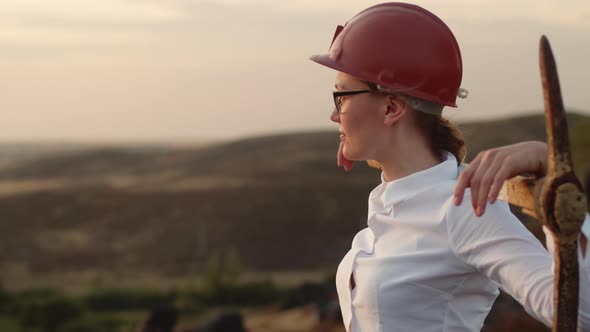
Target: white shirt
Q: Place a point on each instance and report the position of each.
(424, 264)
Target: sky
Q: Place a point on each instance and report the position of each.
(210, 70)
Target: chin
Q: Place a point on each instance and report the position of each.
(350, 155)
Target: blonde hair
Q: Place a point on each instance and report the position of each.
(443, 135)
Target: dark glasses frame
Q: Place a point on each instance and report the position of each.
(338, 94)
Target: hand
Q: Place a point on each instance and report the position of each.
(342, 161)
(486, 174)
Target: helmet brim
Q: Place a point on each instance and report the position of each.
(326, 60)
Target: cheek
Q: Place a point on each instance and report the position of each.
(363, 125)
(362, 122)
(350, 123)
(362, 132)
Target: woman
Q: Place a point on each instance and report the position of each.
(427, 261)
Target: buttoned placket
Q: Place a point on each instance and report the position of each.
(367, 246)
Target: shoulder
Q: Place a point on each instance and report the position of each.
(464, 226)
(463, 215)
(465, 209)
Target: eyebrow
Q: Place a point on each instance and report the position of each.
(338, 86)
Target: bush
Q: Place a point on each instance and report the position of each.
(190, 302)
(93, 323)
(219, 274)
(9, 324)
(252, 294)
(233, 267)
(49, 313)
(35, 294)
(5, 299)
(213, 275)
(26, 298)
(125, 299)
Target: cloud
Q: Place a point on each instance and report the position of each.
(88, 10)
(576, 12)
(223, 68)
(59, 23)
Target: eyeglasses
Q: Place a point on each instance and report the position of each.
(338, 94)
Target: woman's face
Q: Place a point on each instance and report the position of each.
(360, 119)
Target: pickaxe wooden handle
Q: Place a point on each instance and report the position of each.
(557, 199)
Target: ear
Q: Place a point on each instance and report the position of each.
(397, 107)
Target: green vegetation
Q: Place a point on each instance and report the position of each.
(580, 145)
(120, 310)
(50, 314)
(220, 275)
(98, 323)
(4, 299)
(275, 203)
(9, 324)
(213, 275)
(232, 267)
(115, 299)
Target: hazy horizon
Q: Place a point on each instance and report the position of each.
(194, 71)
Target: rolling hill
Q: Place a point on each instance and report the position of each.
(278, 201)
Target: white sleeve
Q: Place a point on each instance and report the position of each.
(500, 247)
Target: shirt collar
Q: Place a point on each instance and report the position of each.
(404, 188)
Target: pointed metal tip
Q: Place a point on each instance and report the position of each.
(545, 47)
(544, 41)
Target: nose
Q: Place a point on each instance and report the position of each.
(334, 116)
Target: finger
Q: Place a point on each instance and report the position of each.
(464, 179)
(476, 179)
(487, 180)
(501, 177)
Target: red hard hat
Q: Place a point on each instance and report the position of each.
(401, 47)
